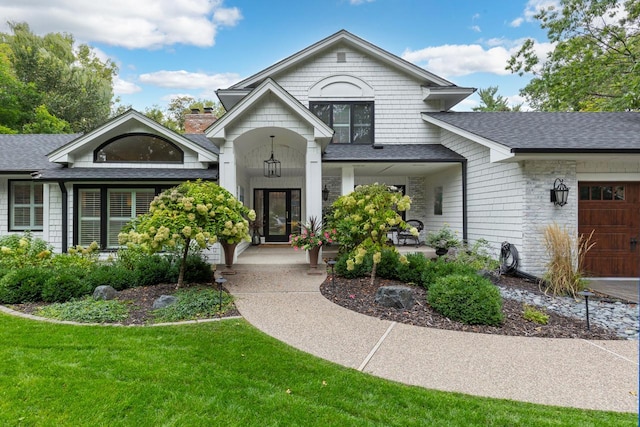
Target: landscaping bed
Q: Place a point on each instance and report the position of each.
(359, 295)
(139, 301)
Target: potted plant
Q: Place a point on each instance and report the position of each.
(443, 240)
(311, 238)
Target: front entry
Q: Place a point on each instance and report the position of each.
(612, 209)
(280, 212)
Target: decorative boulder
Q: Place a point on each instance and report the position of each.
(104, 293)
(164, 301)
(395, 296)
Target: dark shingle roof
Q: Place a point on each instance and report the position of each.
(203, 141)
(140, 174)
(27, 153)
(391, 152)
(553, 131)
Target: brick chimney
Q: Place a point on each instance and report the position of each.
(197, 122)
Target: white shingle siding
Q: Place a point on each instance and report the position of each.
(494, 195)
(398, 98)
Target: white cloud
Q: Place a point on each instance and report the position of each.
(123, 87)
(461, 60)
(534, 7)
(130, 24)
(357, 2)
(182, 79)
(516, 22)
(476, 28)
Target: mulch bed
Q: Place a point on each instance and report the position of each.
(359, 295)
(141, 299)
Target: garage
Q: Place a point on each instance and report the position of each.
(612, 209)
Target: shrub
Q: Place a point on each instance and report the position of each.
(477, 256)
(65, 285)
(412, 271)
(389, 263)
(194, 303)
(440, 267)
(197, 270)
(18, 251)
(151, 270)
(470, 299)
(532, 314)
(23, 285)
(87, 310)
(359, 270)
(116, 276)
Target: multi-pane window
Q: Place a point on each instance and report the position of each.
(352, 122)
(601, 192)
(138, 147)
(102, 212)
(26, 206)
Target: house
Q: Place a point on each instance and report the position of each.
(340, 113)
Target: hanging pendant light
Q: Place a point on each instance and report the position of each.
(271, 165)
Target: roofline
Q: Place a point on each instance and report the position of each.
(204, 155)
(576, 150)
(396, 161)
(341, 35)
(498, 151)
(216, 130)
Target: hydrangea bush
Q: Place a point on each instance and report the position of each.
(199, 212)
(363, 218)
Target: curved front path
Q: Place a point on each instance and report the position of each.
(284, 302)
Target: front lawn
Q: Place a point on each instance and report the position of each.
(221, 373)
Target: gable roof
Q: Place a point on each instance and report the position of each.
(217, 130)
(232, 94)
(547, 132)
(63, 154)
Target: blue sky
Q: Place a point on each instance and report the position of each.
(165, 48)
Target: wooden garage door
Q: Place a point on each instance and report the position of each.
(612, 209)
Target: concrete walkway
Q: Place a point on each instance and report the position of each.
(284, 301)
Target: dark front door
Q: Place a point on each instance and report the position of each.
(612, 209)
(280, 213)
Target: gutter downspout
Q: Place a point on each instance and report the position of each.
(65, 216)
(464, 201)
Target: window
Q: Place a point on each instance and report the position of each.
(138, 147)
(602, 192)
(26, 206)
(351, 121)
(102, 212)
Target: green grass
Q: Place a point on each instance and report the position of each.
(221, 373)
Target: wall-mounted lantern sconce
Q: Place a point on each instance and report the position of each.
(325, 193)
(559, 193)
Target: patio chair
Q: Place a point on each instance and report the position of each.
(405, 234)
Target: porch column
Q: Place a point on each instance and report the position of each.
(313, 177)
(227, 168)
(348, 179)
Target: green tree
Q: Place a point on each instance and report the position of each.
(45, 122)
(363, 218)
(594, 64)
(199, 212)
(491, 102)
(71, 81)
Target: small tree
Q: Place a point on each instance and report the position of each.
(363, 219)
(199, 212)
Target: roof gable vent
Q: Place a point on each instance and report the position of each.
(341, 57)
